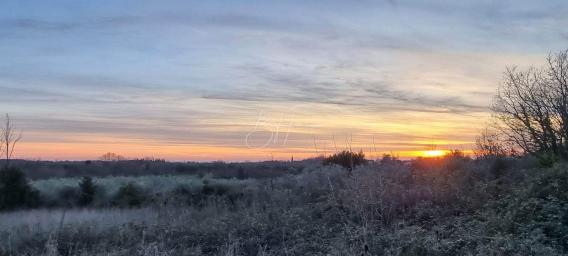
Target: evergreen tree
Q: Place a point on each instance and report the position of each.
(15, 191)
(88, 190)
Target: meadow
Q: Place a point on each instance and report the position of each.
(452, 205)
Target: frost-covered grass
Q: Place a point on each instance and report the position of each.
(42, 221)
(155, 184)
(461, 207)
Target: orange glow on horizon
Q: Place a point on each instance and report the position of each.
(434, 153)
(70, 151)
(93, 148)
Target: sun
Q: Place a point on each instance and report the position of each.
(434, 153)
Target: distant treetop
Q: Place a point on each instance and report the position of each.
(112, 157)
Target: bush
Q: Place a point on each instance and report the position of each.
(389, 159)
(455, 160)
(130, 195)
(15, 191)
(346, 159)
(68, 196)
(499, 166)
(547, 159)
(551, 183)
(87, 191)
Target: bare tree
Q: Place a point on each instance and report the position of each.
(9, 138)
(489, 145)
(531, 107)
(557, 81)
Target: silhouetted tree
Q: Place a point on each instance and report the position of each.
(532, 107)
(112, 157)
(9, 139)
(87, 191)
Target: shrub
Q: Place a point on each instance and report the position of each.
(489, 145)
(130, 195)
(68, 196)
(551, 183)
(215, 189)
(87, 191)
(15, 191)
(547, 159)
(499, 166)
(346, 159)
(455, 160)
(389, 159)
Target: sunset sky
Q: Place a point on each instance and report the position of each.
(256, 80)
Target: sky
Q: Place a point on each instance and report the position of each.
(261, 80)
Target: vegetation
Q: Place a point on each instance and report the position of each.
(88, 190)
(531, 107)
(346, 159)
(129, 195)
(452, 205)
(37, 170)
(490, 145)
(8, 140)
(15, 192)
(112, 157)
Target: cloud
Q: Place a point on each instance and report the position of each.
(308, 86)
(200, 72)
(38, 25)
(192, 18)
